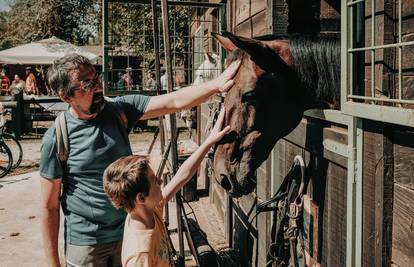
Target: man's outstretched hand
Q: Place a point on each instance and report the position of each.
(225, 81)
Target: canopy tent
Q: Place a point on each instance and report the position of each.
(43, 52)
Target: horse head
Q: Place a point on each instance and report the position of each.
(267, 101)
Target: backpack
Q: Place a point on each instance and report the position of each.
(62, 137)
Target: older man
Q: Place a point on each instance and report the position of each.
(93, 227)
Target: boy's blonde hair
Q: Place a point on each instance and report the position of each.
(124, 179)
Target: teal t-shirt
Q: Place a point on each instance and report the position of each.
(90, 218)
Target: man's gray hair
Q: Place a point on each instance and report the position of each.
(58, 75)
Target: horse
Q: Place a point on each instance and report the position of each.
(278, 79)
(208, 70)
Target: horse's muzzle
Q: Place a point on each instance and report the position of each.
(238, 187)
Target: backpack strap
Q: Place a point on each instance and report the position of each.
(62, 136)
(62, 140)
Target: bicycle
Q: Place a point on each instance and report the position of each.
(6, 159)
(11, 152)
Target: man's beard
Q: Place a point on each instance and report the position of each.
(98, 103)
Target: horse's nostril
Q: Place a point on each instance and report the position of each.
(225, 182)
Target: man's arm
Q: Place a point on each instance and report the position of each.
(190, 96)
(50, 204)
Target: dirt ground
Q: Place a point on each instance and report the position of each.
(20, 237)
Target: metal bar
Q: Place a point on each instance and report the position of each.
(172, 3)
(350, 199)
(174, 154)
(388, 114)
(105, 45)
(330, 115)
(189, 237)
(358, 192)
(399, 51)
(402, 44)
(344, 55)
(349, 4)
(157, 67)
(399, 101)
(10, 104)
(346, 62)
(373, 51)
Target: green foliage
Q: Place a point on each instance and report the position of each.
(76, 21)
(130, 31)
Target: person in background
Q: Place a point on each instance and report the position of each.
(179, 79)
(129, 82)
(40, 80)
(4, 83)
(17, 85)
(120, 84)
(150, 83)
(31, 85)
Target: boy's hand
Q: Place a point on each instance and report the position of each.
(224, 82)
(217, 132)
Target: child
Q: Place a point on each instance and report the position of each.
(131, 184)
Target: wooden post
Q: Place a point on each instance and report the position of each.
(18, 115)
(174, 154)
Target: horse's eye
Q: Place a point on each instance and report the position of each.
(249, 97)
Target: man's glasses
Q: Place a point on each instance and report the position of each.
(91, 85)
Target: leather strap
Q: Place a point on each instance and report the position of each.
(62, 137)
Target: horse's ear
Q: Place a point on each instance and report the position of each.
(208, 57)
(225, 42)
(263, 55)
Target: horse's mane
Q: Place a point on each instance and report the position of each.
(317, 61)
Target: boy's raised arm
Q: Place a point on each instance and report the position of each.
(191, 165)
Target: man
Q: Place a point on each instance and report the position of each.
(17, 85)
(93, 228)
(31, 86)
(4, 82)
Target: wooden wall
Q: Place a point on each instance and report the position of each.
(388, 178)
(261, 17)
(327, 188)
(388, 150)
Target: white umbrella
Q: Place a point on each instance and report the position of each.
(43, 52)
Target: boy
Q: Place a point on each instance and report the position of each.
(131, 184)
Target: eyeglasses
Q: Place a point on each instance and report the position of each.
(91, 85)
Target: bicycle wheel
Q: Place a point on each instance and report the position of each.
(15, 148)
(6, 160)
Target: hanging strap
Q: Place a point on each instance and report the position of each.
(287, 211)
(62, 137)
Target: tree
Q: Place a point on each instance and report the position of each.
(130, 29)
(75, 21)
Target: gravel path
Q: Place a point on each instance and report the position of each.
(20, 237)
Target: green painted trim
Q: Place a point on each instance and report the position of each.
(337, 148)
(359, 187)
(388, 114)
(329, 115)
